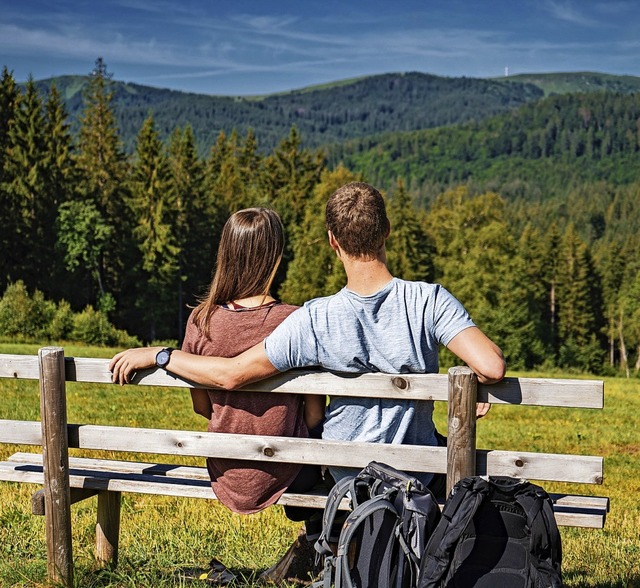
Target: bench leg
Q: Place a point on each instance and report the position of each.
(108, 528)
(77, 494)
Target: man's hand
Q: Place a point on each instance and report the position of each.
(482, 408)
(124, 364)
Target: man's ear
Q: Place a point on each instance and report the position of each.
(333, 242)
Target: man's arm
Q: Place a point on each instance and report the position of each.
(210, 372)
(481, 354)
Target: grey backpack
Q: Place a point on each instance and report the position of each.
(381, 541)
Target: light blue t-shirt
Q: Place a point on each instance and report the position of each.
(396, 330)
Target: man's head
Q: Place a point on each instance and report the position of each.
(357, 218)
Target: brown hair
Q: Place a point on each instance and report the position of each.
(357, 217)
(249, 253)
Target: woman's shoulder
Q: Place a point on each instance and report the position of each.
(284, 309)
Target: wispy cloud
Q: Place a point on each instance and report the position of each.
(74, 44)
(566, 11)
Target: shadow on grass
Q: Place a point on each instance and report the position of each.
(573, 578)
(176, 578)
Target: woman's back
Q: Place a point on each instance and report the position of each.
(247, 486)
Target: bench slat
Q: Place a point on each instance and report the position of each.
(165, 479)
(536, 466)
(21, 432)
(201, 473)
(530, 391)
(585, 469)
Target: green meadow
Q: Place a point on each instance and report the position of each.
(160, 535)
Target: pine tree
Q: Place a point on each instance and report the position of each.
(196, 221)
(222, 176)
(153, 208)
(102, 170)
(60, 185)
(9, 212)
(288, 181)
(315, 270)
(26, 185)
(579, 306)
(409, 252)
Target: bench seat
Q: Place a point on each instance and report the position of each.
(89, 476)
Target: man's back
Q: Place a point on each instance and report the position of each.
(396, 330)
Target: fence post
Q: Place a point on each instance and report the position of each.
(55, 459)
(461, 435)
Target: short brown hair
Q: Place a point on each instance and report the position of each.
(249, 253)
(357, 217)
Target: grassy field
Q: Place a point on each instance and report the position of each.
(159, 535)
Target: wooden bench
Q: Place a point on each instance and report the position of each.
(67, 480)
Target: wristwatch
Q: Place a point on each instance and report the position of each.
(163, 356)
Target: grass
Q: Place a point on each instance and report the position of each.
(159, 535)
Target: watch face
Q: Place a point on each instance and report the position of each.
(162, 358)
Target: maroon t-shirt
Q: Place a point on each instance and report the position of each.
(247, 486)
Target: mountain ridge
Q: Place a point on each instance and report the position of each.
(328, 113)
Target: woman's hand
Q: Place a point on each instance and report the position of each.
(125, 364)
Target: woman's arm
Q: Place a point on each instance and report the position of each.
(201, 402)
(314, 408)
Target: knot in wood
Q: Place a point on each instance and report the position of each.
(179, 444)
(268, 451)
(519, 463)
(400, 383)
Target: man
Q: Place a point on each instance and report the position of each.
(387, 324)
(377, 323)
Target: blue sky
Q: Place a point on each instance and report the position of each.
(247, 47)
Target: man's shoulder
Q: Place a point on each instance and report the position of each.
(322, 302)
(416, 287)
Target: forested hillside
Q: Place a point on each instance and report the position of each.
(539, 152)
(530, 218)
(354, 108)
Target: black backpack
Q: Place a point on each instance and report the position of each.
(393, 515)
(494, 531)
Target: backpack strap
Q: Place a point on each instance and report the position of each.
(336, 494)
(461, 506)
(545, 536)
(349, 529)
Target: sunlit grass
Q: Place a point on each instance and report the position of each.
(159, 535)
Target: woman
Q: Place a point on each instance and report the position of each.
(237, 313)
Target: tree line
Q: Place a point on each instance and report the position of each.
(134, 236)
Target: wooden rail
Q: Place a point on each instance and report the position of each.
(68, 480)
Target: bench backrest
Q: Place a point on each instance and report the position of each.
(459, 388)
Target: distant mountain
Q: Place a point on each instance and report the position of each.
(335, 112)
(323, 114)
(577, 82)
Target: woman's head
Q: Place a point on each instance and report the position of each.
(249, 253)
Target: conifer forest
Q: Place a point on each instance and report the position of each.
(529, 214)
